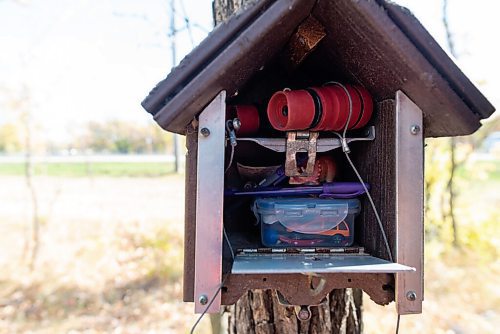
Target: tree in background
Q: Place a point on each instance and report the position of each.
(10, 140)
(124, 137)
(445, 158)
(22, 137)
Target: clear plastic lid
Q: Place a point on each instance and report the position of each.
(305, 215)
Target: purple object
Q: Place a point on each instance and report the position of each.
(328, 190)
(279, 175)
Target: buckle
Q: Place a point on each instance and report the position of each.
(300, 142)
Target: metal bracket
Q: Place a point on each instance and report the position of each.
(302, 312)
(209, 206)
(409, 204)
(300, 142)
(322, 144)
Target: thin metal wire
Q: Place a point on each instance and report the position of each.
(346, 150)
(370, 199)
(187, 22)
(228, 243)
(226, 238)
(232, 141)
(230, 159)
(397, 324)
(218, 289)
(206, 309)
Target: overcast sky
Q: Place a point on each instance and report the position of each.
(84, 60)
(87, 60)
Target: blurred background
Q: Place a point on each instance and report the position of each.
(92, 191)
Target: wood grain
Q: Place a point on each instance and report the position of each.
(190, 214)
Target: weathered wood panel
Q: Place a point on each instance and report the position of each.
(385, 53)
(300, 289)
(376, 162)
(190, 214)
(370, 47)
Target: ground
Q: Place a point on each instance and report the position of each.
(110, 260)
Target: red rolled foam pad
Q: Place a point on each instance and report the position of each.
(291, 110)
(344, 106)
(356, 106)
(342, 109)
(330, 104)
(249, 118)
(367, 107)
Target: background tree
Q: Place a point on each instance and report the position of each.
(10, 140)
(259, 311)
(124, 137)
(444, 159)
(21, 104)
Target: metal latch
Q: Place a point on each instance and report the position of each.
(298, 144)
(303, 312)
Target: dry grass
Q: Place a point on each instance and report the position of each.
(111, 261)
(110, 258)
(461, 296)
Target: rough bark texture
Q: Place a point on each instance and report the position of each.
(222, 9)
(259, 311)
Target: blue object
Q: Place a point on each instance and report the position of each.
(306, 222)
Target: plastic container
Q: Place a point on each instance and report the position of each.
(306, 222)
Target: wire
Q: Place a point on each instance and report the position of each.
(208, 306)
(187, 22)
(346, 150)
(220, 286)
(228, 243)
(230, 159)
(232, 140)
(370, 199)
(350, 106)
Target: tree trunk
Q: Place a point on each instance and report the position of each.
(259, 311)
(453, 141)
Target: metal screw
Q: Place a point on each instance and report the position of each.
(414, 129)
(205, 132)
(411, 295)
(236, 124)
(304, 314)
(203, 300)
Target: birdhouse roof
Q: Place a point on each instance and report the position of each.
(274, 44)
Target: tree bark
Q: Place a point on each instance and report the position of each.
(259, 311)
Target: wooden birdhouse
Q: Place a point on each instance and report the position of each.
(305, 123)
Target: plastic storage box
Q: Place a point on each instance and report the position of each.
(306, 222)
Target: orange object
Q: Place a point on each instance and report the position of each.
(342, 229)
(325, 169)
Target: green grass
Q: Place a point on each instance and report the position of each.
(114, 169)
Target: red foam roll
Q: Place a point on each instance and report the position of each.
(291, 110)
(249, 119)
(367, 107)
(344, 106)
(330, 105)
(342, 109)
(356, 106)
